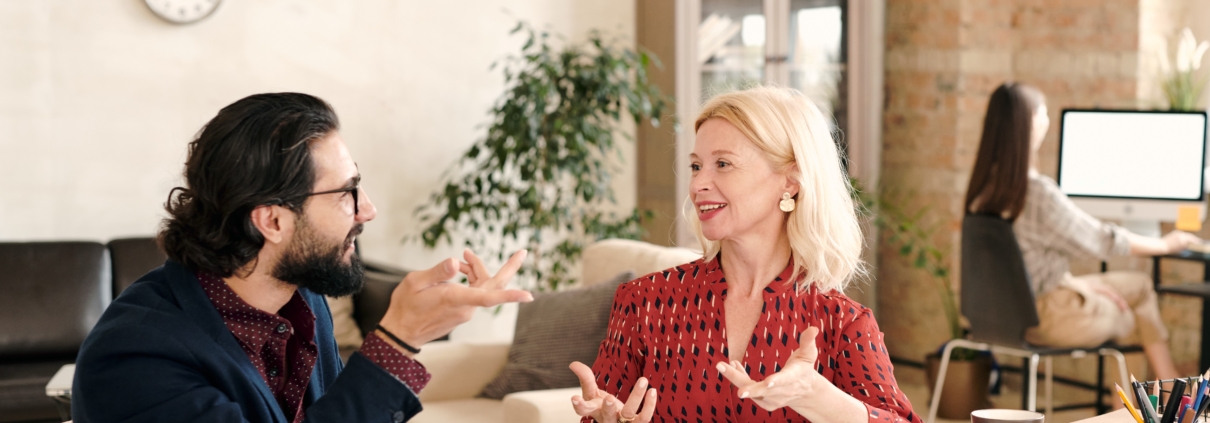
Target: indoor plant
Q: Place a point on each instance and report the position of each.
(540, 177)
(1182, 84)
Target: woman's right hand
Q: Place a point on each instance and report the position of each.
(605, 408)
(1177, 241)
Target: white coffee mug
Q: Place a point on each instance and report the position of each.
(1006, 416)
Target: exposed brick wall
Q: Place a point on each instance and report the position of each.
(943, 59)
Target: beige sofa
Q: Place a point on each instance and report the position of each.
(461, 369)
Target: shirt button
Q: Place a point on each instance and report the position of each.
(273, 372)
(397, 417)
(281, 328)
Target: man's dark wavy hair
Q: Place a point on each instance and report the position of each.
(254, 152)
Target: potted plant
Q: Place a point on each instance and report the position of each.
(967, 378)
(540, 178)
(1182, 86)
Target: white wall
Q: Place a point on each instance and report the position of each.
(99, 98)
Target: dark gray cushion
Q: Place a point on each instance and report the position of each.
(372, 302)
(552, 331)
(53, 294)
(132, 258)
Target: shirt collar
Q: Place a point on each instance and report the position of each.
(779, 285)
(252, 326)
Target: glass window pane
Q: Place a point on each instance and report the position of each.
(816, 57)
(731, 45)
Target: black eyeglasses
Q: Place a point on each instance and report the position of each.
(354, 190)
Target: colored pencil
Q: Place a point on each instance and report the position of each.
(1126, 402)
(1199, 387)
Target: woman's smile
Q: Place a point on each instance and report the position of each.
(707, 209)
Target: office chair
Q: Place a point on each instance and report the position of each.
(999, 303)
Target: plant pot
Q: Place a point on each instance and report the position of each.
(966, 383)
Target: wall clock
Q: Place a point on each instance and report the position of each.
(182, 11)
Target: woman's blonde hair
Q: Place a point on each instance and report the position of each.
(825, 236)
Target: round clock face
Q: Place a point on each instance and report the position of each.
(182, 11)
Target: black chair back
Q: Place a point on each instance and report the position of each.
(996, 295)
(133, 258)
(53, 294)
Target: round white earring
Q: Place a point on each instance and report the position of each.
(786, 204)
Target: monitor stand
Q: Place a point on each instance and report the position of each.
(1144, 227)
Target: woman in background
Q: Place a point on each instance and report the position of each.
(758, 330)
(1074, 311)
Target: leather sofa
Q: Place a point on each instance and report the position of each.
(54, 292)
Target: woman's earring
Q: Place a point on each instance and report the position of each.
(786, 204)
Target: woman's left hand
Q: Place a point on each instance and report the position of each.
(1113, 296)
(793, 384)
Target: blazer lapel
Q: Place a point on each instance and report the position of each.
(193, 301)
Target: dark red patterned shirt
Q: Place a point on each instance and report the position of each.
(285, 361)
(670, 327)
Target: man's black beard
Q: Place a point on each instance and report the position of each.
(310, 264)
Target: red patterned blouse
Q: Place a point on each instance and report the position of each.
(670, 327)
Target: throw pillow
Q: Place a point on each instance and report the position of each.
(554, 330)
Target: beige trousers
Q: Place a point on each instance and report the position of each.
(1078, 316)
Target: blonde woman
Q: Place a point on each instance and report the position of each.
(758, 330)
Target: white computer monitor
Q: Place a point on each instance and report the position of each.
(1135, 166)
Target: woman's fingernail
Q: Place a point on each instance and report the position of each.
(770, 384)
(575, 402)
(609, 403)
(722, 368)
(744, 394)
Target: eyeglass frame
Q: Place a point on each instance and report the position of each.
(355, 190)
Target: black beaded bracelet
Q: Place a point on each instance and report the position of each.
(405, 345)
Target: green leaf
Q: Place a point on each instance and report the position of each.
(544, 165)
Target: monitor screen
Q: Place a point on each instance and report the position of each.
(1132, 154)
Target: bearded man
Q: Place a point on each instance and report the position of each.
(234, 327)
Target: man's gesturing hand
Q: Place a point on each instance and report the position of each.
(426, 305)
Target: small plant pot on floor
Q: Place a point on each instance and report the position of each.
(966, 384)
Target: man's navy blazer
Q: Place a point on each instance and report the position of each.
(161, 353)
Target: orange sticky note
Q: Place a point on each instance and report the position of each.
(1187, 219)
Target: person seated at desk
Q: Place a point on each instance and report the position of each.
(1074, 311)
(758, 330)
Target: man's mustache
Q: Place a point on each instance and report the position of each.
(353, 233)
